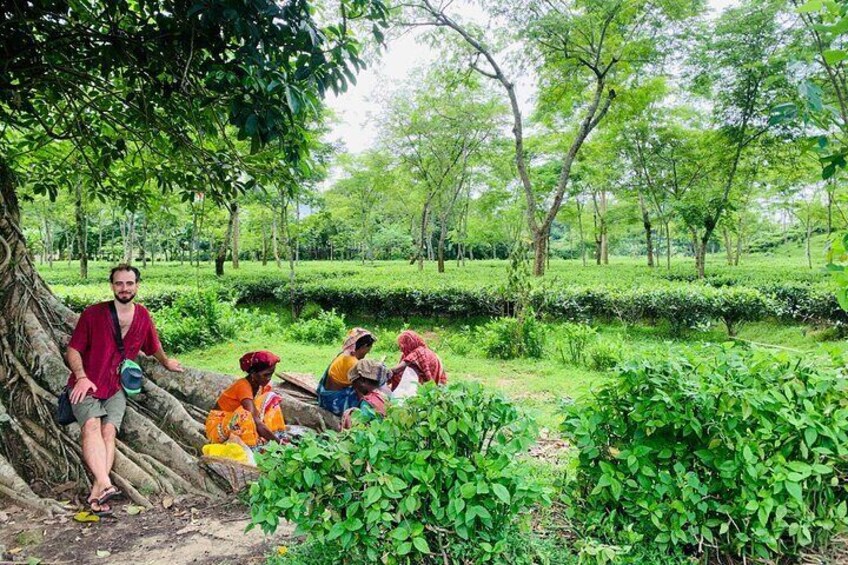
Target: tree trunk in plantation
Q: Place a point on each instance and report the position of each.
(264, 246)
(128, 232)
(668, 245)
(79, 214)
(221, 256)
(236, 235)
(540, 250)
(142, 249)
(275, 242)
(728, 246)
(646, 223)
(441, 245)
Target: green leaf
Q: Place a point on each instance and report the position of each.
(404, 548)
(833, 56)
(810, 7)
(421, 545)
(501, 492)
(794, 489)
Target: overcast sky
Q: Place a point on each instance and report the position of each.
(354, 108)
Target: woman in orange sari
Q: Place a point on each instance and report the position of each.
(248, 409)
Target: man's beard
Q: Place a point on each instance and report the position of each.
(124, 300)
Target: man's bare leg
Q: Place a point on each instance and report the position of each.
(109, 432)
(95, 455)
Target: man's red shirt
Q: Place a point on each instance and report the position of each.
(94, 338)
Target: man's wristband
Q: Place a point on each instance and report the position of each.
(82, 377)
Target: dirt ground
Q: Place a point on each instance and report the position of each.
(188, 531)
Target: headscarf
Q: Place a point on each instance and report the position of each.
(415, 352)
(257, 361)
(353, 336)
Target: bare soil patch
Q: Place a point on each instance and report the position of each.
(193, 531)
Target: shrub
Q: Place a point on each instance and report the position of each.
(575, 339)
(439, 475)
(198, 319)
(604, 355)
(327, 327)
(509, 338)
(743, 452)
(735, 306)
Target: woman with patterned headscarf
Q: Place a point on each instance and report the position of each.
(335, 392)
(248, 409)
(415, 354)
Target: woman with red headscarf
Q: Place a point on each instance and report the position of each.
(415, 354)
(248, 409)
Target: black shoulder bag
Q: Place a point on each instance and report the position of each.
(64, 413)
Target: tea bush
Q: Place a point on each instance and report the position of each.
(439, 474)
(510, 338)
(326, 327)
(719, 448)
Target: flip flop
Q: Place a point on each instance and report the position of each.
(108, 495)
(102, 509)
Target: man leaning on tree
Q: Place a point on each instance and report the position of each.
(97, 399)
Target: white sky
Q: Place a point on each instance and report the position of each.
(356, 108)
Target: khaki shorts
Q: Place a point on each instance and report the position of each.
(110, 410)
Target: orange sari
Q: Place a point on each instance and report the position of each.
(222, 425)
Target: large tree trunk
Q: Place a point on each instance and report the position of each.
(82, 231)
(162, 433)
(34, 329)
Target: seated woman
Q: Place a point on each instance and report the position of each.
(335, 392)
(248, 410)
(368, 378)
(415, 354)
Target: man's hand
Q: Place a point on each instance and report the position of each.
(172, 365)
(81, 388)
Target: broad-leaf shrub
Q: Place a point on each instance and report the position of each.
(722, 448)
(326, 327)
(438, 474)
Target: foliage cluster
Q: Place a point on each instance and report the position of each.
(510, 338)
(719, 448)
(325, 327)
(439, 475)
(201, 319)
